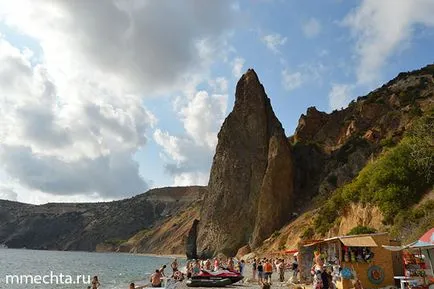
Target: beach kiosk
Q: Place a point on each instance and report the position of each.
(357, 261)
(418, 262)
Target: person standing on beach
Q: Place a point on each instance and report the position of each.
(208, 265)
(254, 265)
(281, 270)
(242, 265)
(268, 269)
(174, 266)
(196, 268)
(188, 267)
(260, 272)
(294, 268)
(231, 265)
(216, 264)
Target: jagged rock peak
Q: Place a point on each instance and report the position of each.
(251, 175)
(312, 110)
(249, 91)
(309, 124)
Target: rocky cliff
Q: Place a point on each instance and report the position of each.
(329, 150)
(250, 191)
(82, 226)
(168, 236)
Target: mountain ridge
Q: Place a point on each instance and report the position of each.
(326, 153)
(82, 226)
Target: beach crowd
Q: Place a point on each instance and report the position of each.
(262, 270)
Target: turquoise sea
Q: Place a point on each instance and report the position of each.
(114, 270)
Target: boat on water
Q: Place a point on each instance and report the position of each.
(234, 277)
(209, 282)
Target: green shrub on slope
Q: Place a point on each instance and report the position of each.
(394, 182)
(359, 230)
(410, 224)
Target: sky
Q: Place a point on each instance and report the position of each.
(103, 100)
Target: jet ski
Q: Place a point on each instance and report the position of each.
(218, 275)
(208, 282)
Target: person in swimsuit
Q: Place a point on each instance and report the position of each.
(216, 264)
(189, 267)
(156, 279)
(196, 268)
(95, 282)
(208, 265)
(132, 286)
(162, 271)
(231, 264)
(174, 266)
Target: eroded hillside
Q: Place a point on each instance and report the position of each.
(81, 226)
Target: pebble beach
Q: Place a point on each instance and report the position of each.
(248, 282)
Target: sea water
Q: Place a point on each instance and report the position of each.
(30, 269)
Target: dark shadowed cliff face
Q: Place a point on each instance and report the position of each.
(191, 241)
(81, 226)
(251, 173)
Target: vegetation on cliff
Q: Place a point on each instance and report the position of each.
(359, 230)
(394, 182)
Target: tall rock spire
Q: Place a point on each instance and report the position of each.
(250, 191)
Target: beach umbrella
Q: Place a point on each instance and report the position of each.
(427, 240)
(426, 245)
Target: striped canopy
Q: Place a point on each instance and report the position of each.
(426, 241)
(425, 244)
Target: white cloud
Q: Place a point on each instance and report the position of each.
(380, 27)
(70, 124)
(219, 85)
(340, 96)
(311, 28)
(68, 143)
(237, 67)
(274, 41)
(144, 45)
(7, 193)
(187, 179)
(291, 81)
(188, 157)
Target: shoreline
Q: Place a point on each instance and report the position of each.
(178, 256)
(174, 256)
